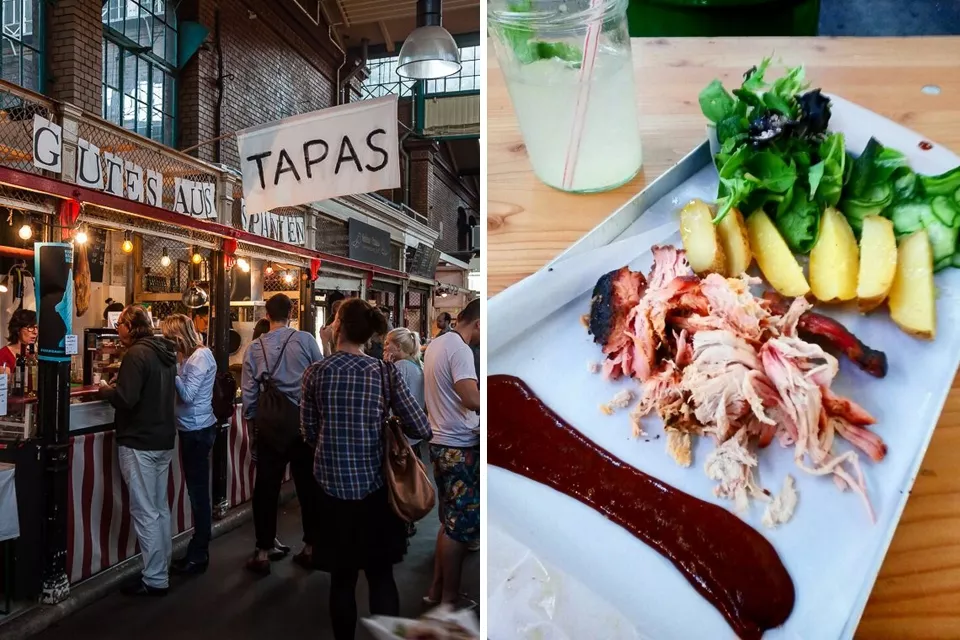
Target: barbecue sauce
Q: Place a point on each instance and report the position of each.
(728, 562)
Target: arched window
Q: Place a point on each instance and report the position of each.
(139, 63)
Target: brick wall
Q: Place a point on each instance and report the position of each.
(74, 53)
(270, 73)
(436, 192)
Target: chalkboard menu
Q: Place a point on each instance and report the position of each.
(96, 252)
(424, 262)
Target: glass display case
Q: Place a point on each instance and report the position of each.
(102, 353)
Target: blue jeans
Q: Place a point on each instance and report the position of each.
(195, 450)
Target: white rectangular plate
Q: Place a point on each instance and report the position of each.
(830, 548)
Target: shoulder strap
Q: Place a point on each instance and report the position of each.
(267, 369)
(386, 383)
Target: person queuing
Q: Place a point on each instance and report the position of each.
(327, 340)
(402, 348)
(143, 399)
(443, 324)
(21, 332)
(346, 399)
(272, 371)
(198, 431)
(452, 395)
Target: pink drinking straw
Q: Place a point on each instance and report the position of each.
(590, 45)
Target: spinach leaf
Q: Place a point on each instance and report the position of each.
(716, 103)
(734, 191)
(814, 176)
(782, 95)
(861, 175)
(753, 81)
(771, 172)
(833, 157)
(800, 222)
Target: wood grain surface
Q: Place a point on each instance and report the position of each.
(918, 592)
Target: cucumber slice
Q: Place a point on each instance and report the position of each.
(942, 263)
(943, 240)
(881, 194)
(910, 216)
(955, 261)
(860, 209)
(905, 187)
(944, 210)
(943, 184)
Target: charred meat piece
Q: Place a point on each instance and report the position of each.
(834, 334)
(614, 295)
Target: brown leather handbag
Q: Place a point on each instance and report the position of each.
(409, 489)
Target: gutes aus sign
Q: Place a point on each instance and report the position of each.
(104, 171)
(343, 150)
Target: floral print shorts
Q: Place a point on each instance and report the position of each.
(457, 471)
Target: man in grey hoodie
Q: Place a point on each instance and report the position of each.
(143, 400)
(273, 363)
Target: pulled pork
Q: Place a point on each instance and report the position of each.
(715, 360)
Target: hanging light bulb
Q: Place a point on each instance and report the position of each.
(25, 232)
(165, 258)
(288, 277)
(243, 264)
(81, 237)
(127, 246)
(196, 258)
(269, 269)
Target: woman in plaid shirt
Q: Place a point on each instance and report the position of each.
(342, 412)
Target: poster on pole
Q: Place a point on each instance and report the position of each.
(53, 269)
(344, 150)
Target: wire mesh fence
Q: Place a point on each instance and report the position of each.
(146, 153)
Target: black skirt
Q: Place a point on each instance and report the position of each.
(357, 534)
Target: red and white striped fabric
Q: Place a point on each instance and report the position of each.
(241, 472)
(99, 528)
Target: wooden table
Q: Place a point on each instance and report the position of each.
(918, 592)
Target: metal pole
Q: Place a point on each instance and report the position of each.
(220, 343)
(53, 415)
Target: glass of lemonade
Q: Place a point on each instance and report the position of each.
(578, 115)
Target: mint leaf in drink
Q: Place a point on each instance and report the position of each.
(528, 49)
(558, 50)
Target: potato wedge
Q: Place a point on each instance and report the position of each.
(912, 296)
(736, 244)
(700, 240)
(774, 257)
(878, 262)
(834, 260)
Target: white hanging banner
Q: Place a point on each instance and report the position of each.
(344, 150)
(89, 169)
(154, 188)
(47, 144)
(134, 181)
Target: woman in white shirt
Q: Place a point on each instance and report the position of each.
(197, 427)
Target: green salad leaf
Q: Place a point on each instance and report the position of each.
(833, 157)
(800, 221)
(717, 105)
(814, 176)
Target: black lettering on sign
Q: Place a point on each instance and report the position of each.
(346, 144)
(312, 161)
(180, 204)
(54, 156)
(196, 199)
(114, 169)
(281, 169)
(259, 160)
(377, 149)
(83, 176)
(153, 189)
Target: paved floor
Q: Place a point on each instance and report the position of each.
(229, 602)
